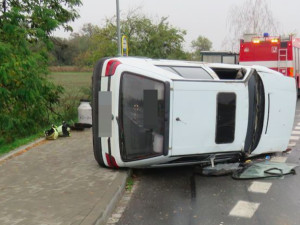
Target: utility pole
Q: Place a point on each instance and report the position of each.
(118, 28)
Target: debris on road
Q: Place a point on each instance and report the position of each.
(52, 133)
(221, 169)
(255, 168)
(61, 131)
(265, 169)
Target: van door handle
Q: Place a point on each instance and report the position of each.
(178, 119)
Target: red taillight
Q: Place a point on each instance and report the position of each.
(111, 161)
(111, 67)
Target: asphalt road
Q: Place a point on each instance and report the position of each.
(182, 196)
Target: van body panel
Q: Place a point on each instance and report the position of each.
(195, 113)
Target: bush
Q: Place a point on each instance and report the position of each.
(27, 98)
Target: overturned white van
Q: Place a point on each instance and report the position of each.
(154, 113)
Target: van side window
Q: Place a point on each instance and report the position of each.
(225, 127)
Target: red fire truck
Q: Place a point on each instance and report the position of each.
(278, 53)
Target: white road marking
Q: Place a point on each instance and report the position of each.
(294, 138)
(280, 159)
(244, 209)
(298, 124)
(260, 187)
(292, 144)
(112, 220)
(297, 127)
(295, 132)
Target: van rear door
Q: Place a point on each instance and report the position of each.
(209, 116)
(143, 117)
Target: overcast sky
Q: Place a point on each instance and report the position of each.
(197, 17)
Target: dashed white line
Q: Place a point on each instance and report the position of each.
(297, 127)
(280, 159)
(292, 144)
(294, 138)
(244, 209)
(295, 132)
(260, 187)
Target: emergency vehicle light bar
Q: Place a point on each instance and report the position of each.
(274, 40)
(258, 40)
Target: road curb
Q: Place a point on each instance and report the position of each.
(22, 149)
(98, 215)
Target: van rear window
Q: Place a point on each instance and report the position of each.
(142, 114)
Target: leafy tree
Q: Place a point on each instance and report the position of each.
(62, 52)
(102, 42)
(152, 40)
(251, 17)
(146, 38)
(201, 44)
(66, 51)
(27, 98)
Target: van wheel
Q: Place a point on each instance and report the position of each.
(96, 83)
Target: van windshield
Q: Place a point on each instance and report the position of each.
(142, 113)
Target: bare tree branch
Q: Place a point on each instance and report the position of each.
(253, 16)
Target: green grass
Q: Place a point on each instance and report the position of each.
(72, 81)
(129, 184)
(22, 141)
(77, 86)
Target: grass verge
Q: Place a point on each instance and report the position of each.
(22, 141)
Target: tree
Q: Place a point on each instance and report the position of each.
(200, 44)
(146, 38)
(66, 51)
(27, 98)
(251, 17)
(154, 40)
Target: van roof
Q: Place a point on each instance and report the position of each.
(153, 65)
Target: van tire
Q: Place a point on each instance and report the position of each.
(96, 84)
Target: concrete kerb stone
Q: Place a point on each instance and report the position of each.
(22, 149)
(100, 215)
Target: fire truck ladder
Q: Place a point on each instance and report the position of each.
(282, 61)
